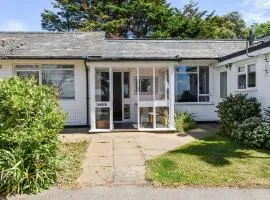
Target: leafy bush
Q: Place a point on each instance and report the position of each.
(183, 122)
(234, 109)
(30, 120)
(267, 114)
(253, 133)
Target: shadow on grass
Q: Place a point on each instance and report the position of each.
(215, 151)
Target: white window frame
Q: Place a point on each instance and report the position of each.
(40, 68)
(198, 83)
(245, 73)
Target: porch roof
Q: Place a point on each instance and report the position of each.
(78, 45)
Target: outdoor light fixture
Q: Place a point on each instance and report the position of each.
(228, 66)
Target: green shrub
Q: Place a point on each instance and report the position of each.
(30, 120)
(252, 133)
(234, 109)
(183, 122)
(267, 114)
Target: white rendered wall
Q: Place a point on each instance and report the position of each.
(76, 109)
(262, 89)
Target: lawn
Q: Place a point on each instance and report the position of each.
(214, 161)
(70, 167)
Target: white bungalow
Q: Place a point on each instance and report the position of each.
(113, 84)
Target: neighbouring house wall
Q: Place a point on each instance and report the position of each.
(261, 91)
(76, 109)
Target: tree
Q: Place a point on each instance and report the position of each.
(68, 16)
(142, 19)
(262, 29)
(125, 18)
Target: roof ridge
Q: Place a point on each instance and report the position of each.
(50, 32)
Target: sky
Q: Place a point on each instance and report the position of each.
(24, 15)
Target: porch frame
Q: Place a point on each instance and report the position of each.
(135, 65)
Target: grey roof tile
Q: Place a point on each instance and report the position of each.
(171, 48)
(48, 44)
(94, 44)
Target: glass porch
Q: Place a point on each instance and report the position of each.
(139, 98)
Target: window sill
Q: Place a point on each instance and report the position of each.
(194, 103)
(247, 90)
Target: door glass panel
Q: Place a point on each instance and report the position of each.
(162, 117)
(126, 111)
(126, 84)
(102, 85)
(102, 118)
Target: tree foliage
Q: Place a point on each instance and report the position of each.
(142, 19)
(262, 29)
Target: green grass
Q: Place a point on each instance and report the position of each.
(70, 166)
(213, 161)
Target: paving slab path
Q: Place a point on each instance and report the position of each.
(149, 193)
(118, 158)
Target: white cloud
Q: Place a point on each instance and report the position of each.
(255, 11)
(13, 25)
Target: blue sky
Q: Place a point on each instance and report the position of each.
(24, 15)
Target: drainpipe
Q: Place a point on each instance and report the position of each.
(87, 92)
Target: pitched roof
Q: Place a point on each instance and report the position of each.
(265, 42)
(50, 44)
(171, 48)
(94, 44)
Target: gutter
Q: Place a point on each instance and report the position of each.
(87, 91)
(176, 58)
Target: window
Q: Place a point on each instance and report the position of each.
(192, 84)
(62, 79)
(146, 85)
(246, 76)
(102, 85)
(126, 84)
(223, 84)
(60, 76)
(126, 111)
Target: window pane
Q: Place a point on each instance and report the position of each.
(26, 66)
(146, 85)
(252, 75)
(186, 88)
(162, 117)
(186, 69)
(28, 74)
(58, 66)
(126, 84)
(242, 81)
(102, 85)
(102, 118)
(223, 84)
(146, 117)
(126, 111)
(164, 88)
(242, 69)
(63, 80)
(204, 98)
(204, 80)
